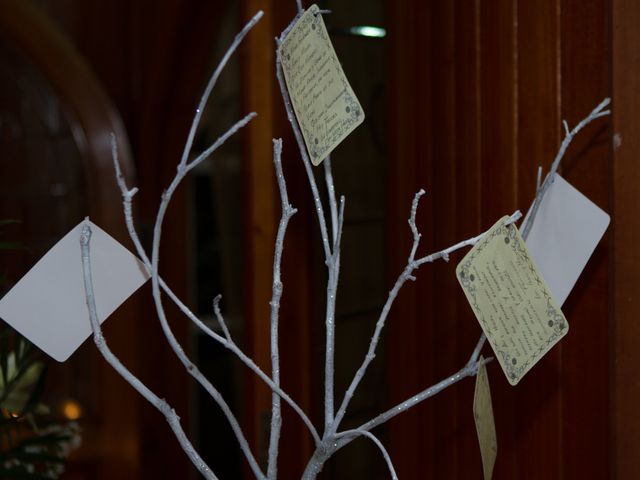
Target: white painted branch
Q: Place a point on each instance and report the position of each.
(164, 408)
(212, 82)
(332, 259)
(287, 213)
(542, 189)
(155, 287)
(468, 370)
(299, 4)
(220, 318)
(227, 343)
(331, 194)
(597, 112)
(476, 351)
(333, 266)
(301, 145)
(406, 274)
(127, 196)
(190, 367)
(364, 433)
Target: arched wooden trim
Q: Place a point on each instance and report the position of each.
(111, 439)
(91, 114)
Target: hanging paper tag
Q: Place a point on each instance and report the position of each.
(325, 105)
(566, 230)
(511, 301)
(48, 306)
(485, 425)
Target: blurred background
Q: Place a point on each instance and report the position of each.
(462, 98)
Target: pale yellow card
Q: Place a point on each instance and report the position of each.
(325, 105)
(509, 297)
(485, 426)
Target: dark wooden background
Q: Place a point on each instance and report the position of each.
(476, 92)
(479, 90)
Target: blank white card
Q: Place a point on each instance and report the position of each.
(48, 306)
(564, 234)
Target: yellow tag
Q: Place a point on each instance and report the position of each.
(324, 103)
(511, 301)
(485, 426)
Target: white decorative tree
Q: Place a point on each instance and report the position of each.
(330, 438)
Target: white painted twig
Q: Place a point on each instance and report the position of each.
(541, 189)
(364, 433)
(476, 351)
(220, 318)
(212, 82)
(155, 280)
(597, 112)
(412, 264)
(301, 145)
(164, 408)
(287, 212)
(538, 180)
(332, 258)
(191, 368)
(333, 266)
(468, 370)
(331, 194)
(127, 195)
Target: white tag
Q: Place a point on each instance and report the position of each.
(564, 234)
(48, 307)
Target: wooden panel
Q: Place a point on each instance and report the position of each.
(500, 77)
(468, 97)
(536, 401)
(439, 230)
(588, 166)
(498, 179)
(626, 237)
(410, 435)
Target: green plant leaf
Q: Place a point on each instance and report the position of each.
(32, 404)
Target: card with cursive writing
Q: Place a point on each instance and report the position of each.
(485, 425)
(511, 301)
(325, 105)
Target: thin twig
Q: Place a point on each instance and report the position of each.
(175, 345)
(569, 136)
(468, 370)
(332, 259)
(333, 265)
(220, 318)
(364, 433)
(127, 195)
(331, 194)
(287, 213)
(164, 408)
(212, 82)
(542, 189)
(406, 274)
(301, 146)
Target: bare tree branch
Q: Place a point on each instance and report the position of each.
(164, 408)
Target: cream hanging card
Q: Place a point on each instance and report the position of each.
(485, 425)
(511, 301)
(325, 105)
